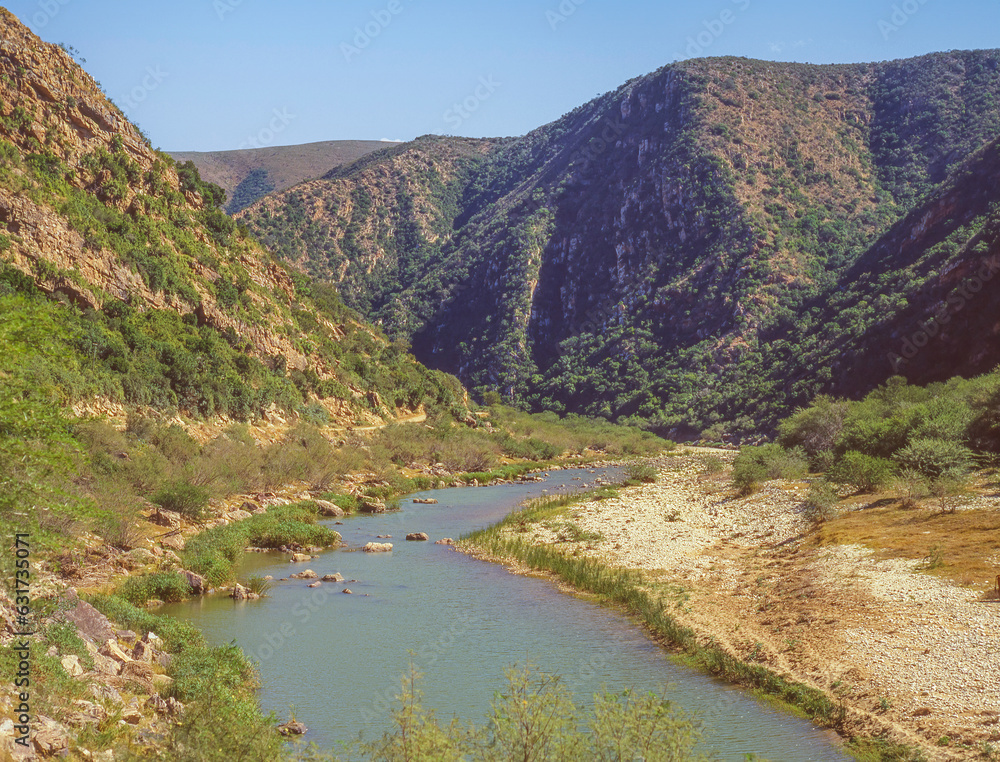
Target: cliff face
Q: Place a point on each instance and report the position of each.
(630, 258)
(134, 252)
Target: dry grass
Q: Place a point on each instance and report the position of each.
(966, 543)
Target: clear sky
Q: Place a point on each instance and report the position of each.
(221, 74)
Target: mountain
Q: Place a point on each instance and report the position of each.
(120, 278)
(639, 256)
(248, 174)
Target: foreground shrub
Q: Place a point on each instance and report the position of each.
(187, 499)
(536, 718)
(645, 473)
(167, 586)
(821, 500)
(935, 458)
(867, 473)
(755, 465)
(816, 428)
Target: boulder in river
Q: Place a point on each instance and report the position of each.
(372, 505)
(377, 547)
(197, 582)
(298, 558)
(333, 577)
(425, 501)
(445, 541)
(292, 728)
(307, 574)
(328, 509)
(417, 537)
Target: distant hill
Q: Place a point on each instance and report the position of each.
(121, 279)
(706, 247)
(249, 174)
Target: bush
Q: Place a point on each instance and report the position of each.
(935, 458)
(713, 464)
(645, 473)
(911, 487)
(755, 465)
(867, 473)
(187, 499)
(816, 428)
(258, 584)
(821, 500)
(166, 586)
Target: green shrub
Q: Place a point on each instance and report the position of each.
(816, 428)
(713, 464)
(755, 465)
(258, 584)
(821, 500)
(935, 458)
(187, 499)
(644, 473)
(911, 486)
(165, 586)
(866, 472)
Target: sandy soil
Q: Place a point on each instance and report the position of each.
(909, 654)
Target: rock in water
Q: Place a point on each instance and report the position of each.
(377, 547)
(292, 728)
(417, 537)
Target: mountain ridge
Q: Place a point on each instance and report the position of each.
(247, 174)
(626, 259)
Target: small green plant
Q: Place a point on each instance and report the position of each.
(258, 584)
(821, 501)
(884, 704)
(186, 499)
(756, 465)
(571, 532)
(933, 560)
(911, 486)
(944, 741)
(949, 491)
(713, 464)
(643, 473)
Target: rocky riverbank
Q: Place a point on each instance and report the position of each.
(911, 657)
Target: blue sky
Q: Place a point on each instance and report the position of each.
(221, 74)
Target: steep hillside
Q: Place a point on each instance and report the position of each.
(629, 258)
(142, 290)
(379, 227)
(250, 173)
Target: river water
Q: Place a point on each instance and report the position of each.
(336, 660)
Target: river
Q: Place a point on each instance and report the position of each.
(336, 660)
